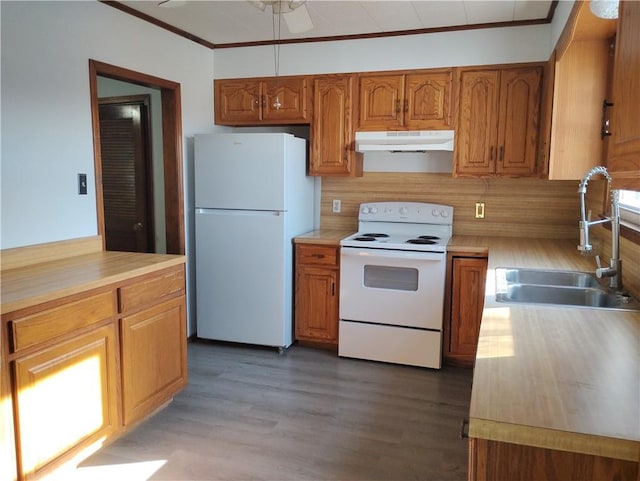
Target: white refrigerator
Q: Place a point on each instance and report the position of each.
(252, 196)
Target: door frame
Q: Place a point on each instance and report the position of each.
(171, 148)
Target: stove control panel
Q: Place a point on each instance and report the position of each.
(414, 212)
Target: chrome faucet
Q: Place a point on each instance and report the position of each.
(614, 270)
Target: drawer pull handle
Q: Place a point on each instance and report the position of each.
(464, 429)
(318, 256)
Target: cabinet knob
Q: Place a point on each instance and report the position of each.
(138, 226)
(491, 151)
(501, 152)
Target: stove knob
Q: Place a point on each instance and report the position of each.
(403, 211)
(444, 213)
(365, 210)
(374, 210)
(435, 213)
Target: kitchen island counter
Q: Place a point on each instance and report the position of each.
(566, 379)
(38, 283)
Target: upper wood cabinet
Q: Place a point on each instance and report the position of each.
(497, 129)
(575, 87)
(262, 101)
(418, 101)
(623, 161)
(332, 149)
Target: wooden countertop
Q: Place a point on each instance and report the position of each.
(323, 236)
(33, 284)
(552, 377)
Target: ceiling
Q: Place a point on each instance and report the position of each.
(218, 23)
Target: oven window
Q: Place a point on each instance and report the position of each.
(396, 278)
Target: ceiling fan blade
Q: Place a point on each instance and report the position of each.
(298, 20)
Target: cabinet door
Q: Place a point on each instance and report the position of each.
(476, 136)
(154, 357)
(66, 396)
(286, 100)
(518, 121)
(237, 102)
(382, 104)
(316, 304)
(467, 303)
(428, 101)
(332, 150)
(7, 442)
(624, 145)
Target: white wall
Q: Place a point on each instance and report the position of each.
(473, 47)
(46, 115)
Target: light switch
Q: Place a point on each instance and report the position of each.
(82, 184)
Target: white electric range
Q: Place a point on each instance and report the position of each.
(392, 279)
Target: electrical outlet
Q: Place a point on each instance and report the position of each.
(479, 210)
(337, 206)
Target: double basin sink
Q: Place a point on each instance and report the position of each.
(559, 288)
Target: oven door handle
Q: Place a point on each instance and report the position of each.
(395, 254)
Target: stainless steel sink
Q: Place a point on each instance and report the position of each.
(548, 277)
(560, 288)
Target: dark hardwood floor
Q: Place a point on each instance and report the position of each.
(252, 414)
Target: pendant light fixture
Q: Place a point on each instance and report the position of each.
(276, 47)
(607, 9)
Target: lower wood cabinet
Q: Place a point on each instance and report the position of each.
(149, 375)
(66, 397)
(499, 461)
(86, 366)
(466, 286)
(317, 293)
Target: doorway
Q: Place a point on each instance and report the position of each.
(171, 150)
(127, 173)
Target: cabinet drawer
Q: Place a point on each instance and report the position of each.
(317, 255)
(151, 289)
(51, 323)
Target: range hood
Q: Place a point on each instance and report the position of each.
(411, 141)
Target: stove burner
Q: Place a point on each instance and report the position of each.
(421, 241)
(365, 238)
(429, 237)
(375, 234)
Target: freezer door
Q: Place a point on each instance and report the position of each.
(243, 277)
(242, 171)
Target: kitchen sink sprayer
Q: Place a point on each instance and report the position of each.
(614, 270)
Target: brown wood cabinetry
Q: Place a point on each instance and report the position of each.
(418, 101)
(7, 441)
(332, 149)
(466, 278)
(497, 129)
(153, 324)
(499, 461)
(66, 382)
(85, 365)
(623, 160)
(252, 101)
(575, 85)
(316, 293)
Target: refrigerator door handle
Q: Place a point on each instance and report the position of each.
(254, 213)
